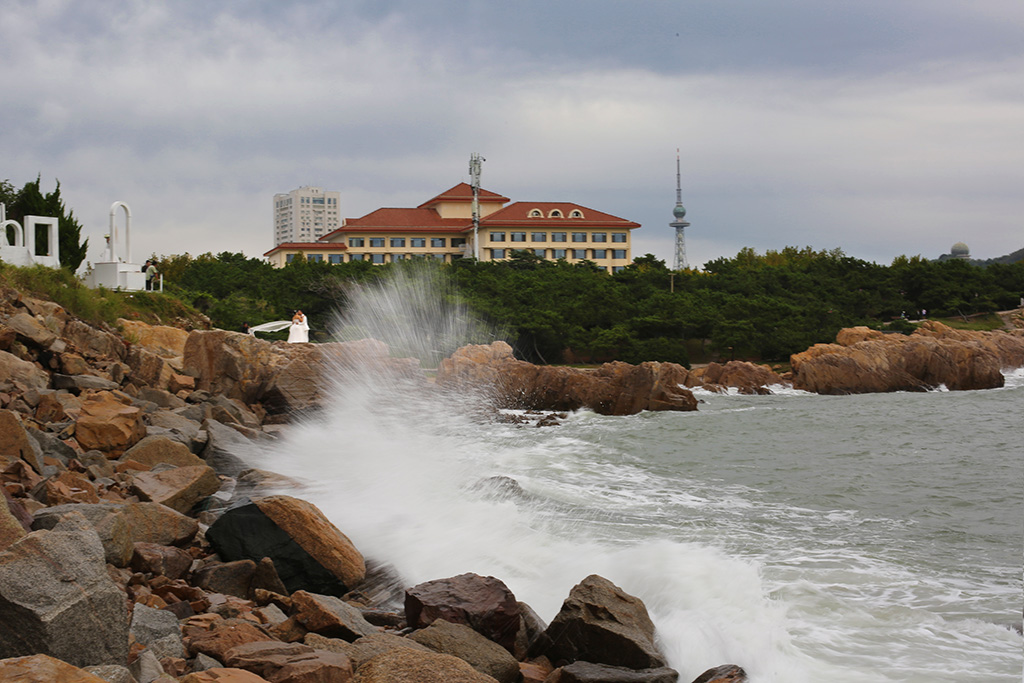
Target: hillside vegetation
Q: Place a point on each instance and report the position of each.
(751, 305)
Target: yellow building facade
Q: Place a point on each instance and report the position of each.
(442, 228)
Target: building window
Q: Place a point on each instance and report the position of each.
(618, 269)
(458, 241)
(376, 241)
(315, 258)
(497, 237)
(619, 253)
(395, 258)
(288, 258)
(579, 237)
(518, 236)
(357, 257)
(618, 237)
(437, 242)
(356, 241)
(439, 257)
(576, 213)
(555, 213)
(540, 252)
(558, 236)
(376, 258)
(579, 254)
(600, 253)
(558, 253)
(335, 258)
(417, 241)
(497, 253)
(536, 213)
(599, 237)
(398, 241)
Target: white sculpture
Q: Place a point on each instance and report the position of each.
(116, 270)
(20, 248)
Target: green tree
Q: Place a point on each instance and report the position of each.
(30, 201)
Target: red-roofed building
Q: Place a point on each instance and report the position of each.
(442, 228)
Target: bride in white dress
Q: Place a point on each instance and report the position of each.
(299, 330)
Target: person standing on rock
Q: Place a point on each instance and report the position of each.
(299, 331)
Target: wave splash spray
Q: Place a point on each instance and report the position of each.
(396, 465)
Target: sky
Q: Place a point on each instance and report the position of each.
(880, 127)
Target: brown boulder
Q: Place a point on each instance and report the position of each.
(330, 616)
(483, 603)
(611, 389)
(154, 450)
(109, 423)
(44, 669)
(727, 673)
(92, 342)
(160, 560)
(31, 330)
(459, 640)
(168, 342)
(601, 623)
(11, 528)
(290, 662)
(179, 488)
(402, 665)
(362, 649)
(15, 441)
(221, 636)
(747, 377)
(588, 672)
(149, 368)
(222, 675)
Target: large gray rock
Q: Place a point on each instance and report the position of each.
(112, 673)
(31, 330)
(78, 383)
(175, 421)
(51, 446)
(22, 372)
(482, 602)
(157, 630)
(222, 445)
(56, 598)
(105, 519)
(91, 342)
(459, 640)
(600, 623)
(330, 616)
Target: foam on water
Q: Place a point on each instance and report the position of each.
(728, 575)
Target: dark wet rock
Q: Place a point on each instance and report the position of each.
(601, 623)
(727, 673)
(483, 603)
(308, 551)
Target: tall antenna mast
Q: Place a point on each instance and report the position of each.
(475, 165)
(679, 224)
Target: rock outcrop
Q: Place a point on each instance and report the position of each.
(864, 360)
(611, 389)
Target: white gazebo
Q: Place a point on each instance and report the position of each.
(18, 242)
(116, 270)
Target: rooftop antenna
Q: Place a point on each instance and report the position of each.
(679, 224)
(475, 165)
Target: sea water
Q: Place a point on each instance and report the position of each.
(859, 538)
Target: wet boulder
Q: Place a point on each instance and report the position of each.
(601, 623)
(727, 673)
(308, 551)
(483, 603)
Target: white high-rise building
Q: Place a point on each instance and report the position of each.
(305, 215)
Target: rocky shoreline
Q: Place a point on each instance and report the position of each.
(135, 544)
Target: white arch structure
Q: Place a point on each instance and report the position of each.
(127, 232)
(21, 251)
(116, 270)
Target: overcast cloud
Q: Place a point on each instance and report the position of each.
(880, 127)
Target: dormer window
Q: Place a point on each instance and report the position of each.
(576, 213)
(535, 213)
(555, 213)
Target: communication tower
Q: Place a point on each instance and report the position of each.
(475, 166)
(679, 224)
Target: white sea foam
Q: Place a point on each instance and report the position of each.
(792, 593)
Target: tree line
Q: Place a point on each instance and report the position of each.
(764, 306)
